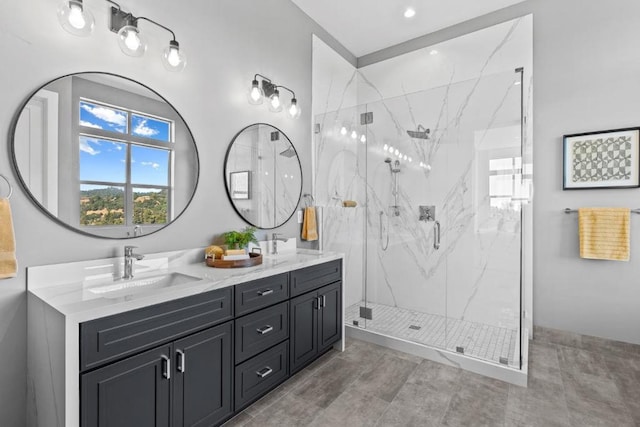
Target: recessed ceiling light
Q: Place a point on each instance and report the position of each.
(409, 13)
(433, 52)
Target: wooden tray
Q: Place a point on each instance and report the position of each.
(255, 259)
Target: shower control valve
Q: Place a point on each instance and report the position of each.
(427, 213)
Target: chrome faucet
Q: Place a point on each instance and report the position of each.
(274, 238)
(129, 258)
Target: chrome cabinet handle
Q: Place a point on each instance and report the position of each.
(182, 361)
(166, 362)
(436, 235)
(265, 329)
(265, 292)
(317, 305)
(264, 372)
(324, 301)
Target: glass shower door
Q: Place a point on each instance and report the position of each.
(482, 219)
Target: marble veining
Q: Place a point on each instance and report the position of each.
(475, 275)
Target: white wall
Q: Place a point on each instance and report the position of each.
(227, 42)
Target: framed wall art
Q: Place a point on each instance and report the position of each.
(603, 159)
(240, 185)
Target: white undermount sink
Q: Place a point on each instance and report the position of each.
(123, 287)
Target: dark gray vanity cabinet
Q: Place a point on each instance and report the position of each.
(203, 377)
(316, 316)
(130, 393)
(198, 360)
(182, 382)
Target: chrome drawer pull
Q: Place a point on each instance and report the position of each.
(265, 329)
(181, 361)
(265, 292)
(264, 372)
(167, 367)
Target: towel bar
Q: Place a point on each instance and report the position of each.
(9, 185)
(567, 211)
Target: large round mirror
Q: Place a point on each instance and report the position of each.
(105, 155)
(263, 175)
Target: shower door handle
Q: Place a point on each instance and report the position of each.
(436, 235)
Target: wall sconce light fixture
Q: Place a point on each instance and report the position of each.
(265, 88)
(77, 20)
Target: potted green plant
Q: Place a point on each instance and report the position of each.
(240, 239)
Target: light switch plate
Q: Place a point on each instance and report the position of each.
(300, 217)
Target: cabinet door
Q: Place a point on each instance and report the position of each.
(330, 315)
(304, 330)
(203, 374)
(133, 392)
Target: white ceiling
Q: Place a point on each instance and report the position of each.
(365, 26)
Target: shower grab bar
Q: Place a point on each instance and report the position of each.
(436, 235)
(568, 211)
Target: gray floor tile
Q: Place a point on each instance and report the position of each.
(401, 415)
(239, 420)
(288, 411)
(384, 378)
(479, 401)
(353, 410)
(582, 361)
(585, 412)
(592, 387)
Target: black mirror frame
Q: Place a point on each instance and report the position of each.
(23, 184)
(226, 183)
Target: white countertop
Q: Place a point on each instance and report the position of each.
(67, 287)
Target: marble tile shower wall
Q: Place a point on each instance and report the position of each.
(475, 273)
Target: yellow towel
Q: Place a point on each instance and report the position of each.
(309, 226)
(8, 263)
(604, 233)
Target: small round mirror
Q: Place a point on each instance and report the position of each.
(263, 176)
(105, 155)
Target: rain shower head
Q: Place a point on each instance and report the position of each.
(420, 133)
(289, 152)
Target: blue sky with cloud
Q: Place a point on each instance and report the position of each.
(105, 160)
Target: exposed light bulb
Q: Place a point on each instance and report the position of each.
(74, 18)
(363, 139)
(410, 160)
(255, 96)
(428, 167)
(294, 109)
(433, 52)
(343, 131)
(274, 102)
(386, 147)
(409, 13)
(130, 41)
(173, 58)
(405, 157)
(354, 134)
(391, 149)
(397, 152)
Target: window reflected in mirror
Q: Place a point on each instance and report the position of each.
(105, 155)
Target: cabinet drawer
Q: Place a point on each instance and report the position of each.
(260, 293)
(257, 376)
(310, 278)
(113, 337)
(261, 330)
